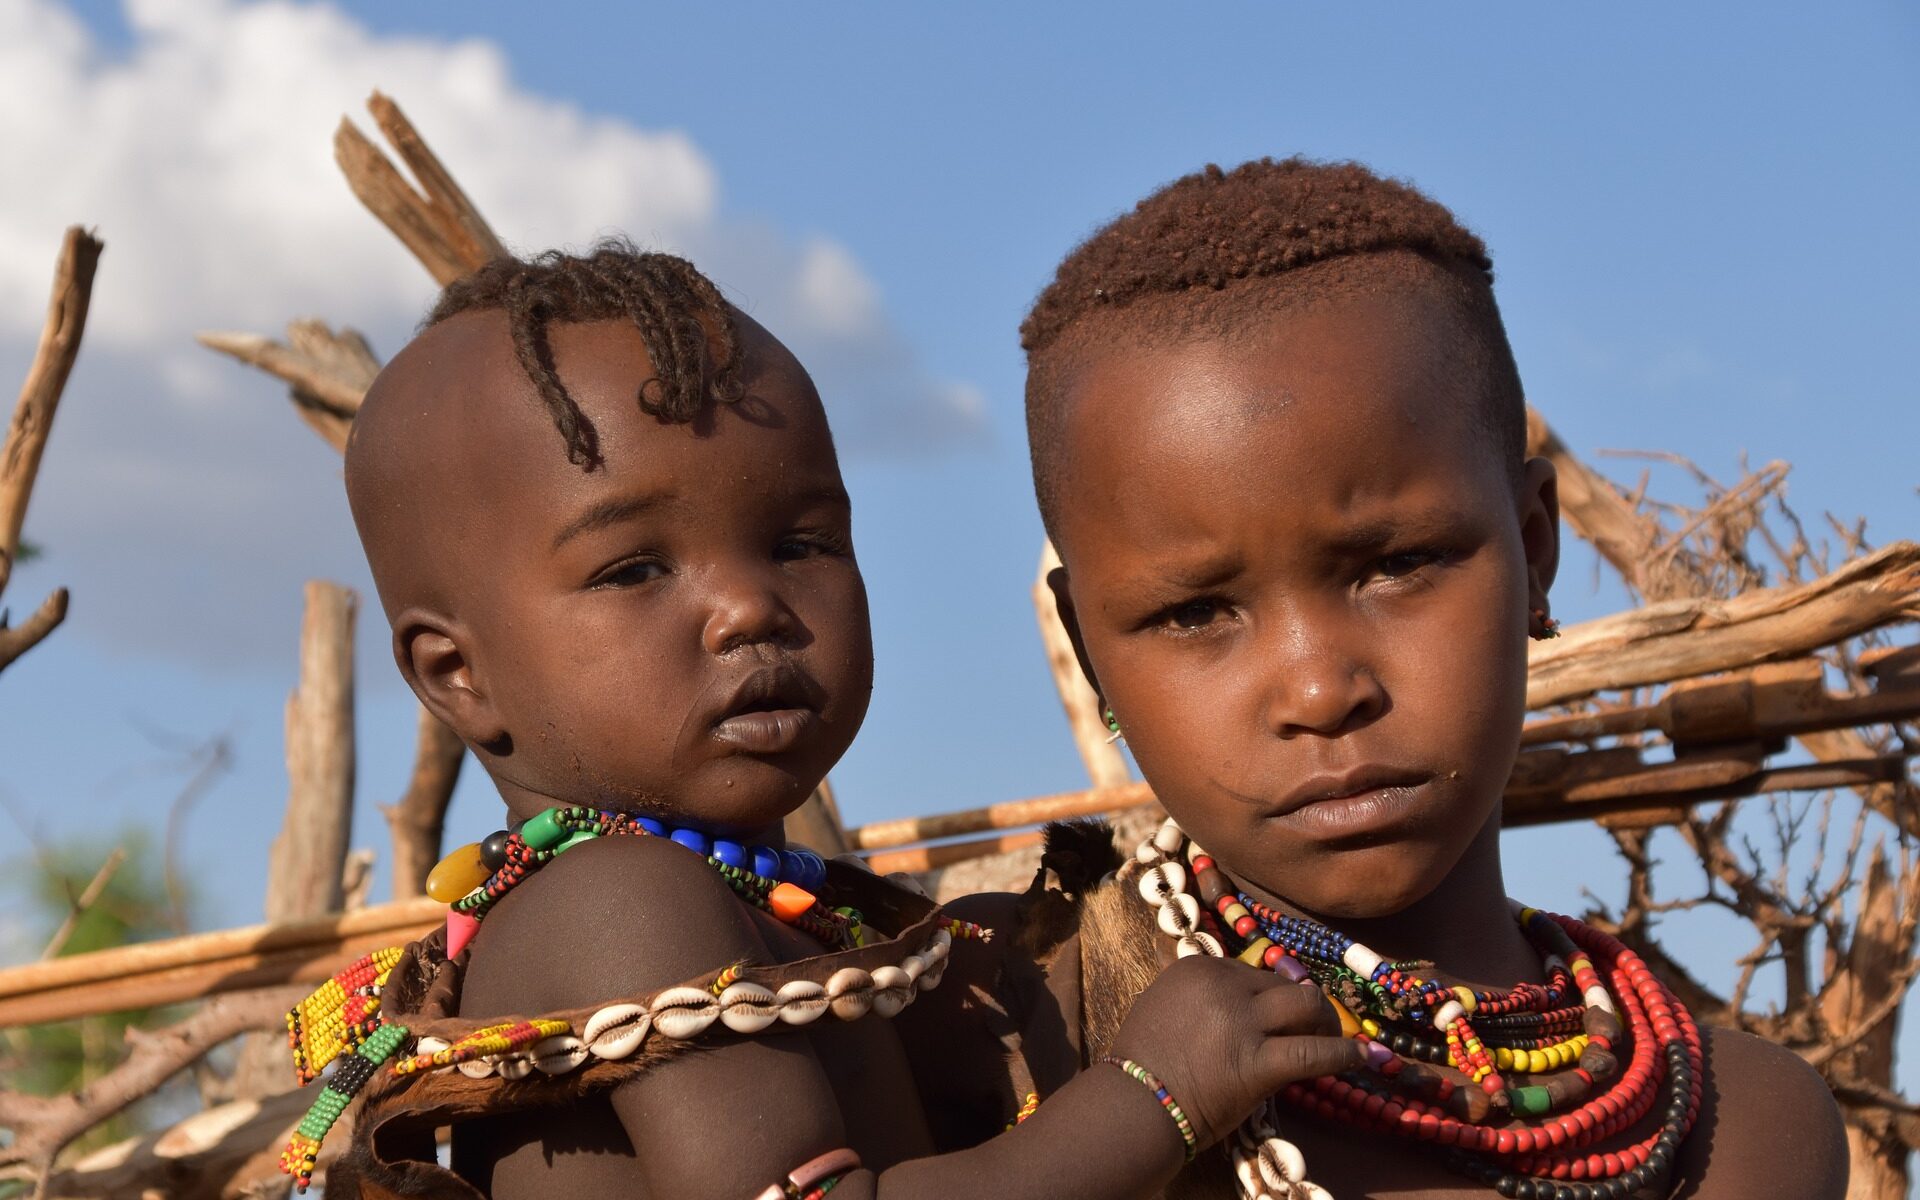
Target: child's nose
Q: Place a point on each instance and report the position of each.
(1322, 691)
(747, 609)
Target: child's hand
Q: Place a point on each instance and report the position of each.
(1223, 1038)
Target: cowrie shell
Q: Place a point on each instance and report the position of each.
(617, 1030)
(1167, 879)
(1179, 916)
(475, 1068)
(931, 977)
(748, 1008)
(1168, 837)
(913, 964)
(1281, 1163)
(850, 990)
(559, 1054)
(891, 990)
(1199, 943)
(801, 1001)
(430, 1045)
(684, 1012)
(514, 1066)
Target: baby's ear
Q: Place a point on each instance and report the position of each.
(1070, 620)
(1539, 512)
(431, 650)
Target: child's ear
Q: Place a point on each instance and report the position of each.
(1070, 620)
(1539, 511)
(431, 650)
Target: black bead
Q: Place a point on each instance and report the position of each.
(1508, 1186)
(493, 850)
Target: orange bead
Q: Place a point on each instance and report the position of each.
(457, 874)
(789, 902)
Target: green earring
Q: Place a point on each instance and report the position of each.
(1113, 727)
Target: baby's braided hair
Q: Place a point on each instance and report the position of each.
(686, 325)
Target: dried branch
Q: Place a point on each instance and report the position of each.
(229, 1150)
(1679, 639)
(436, 221)
(32, 421)
(88, 897)
(328, 372)
(418, 821)
(42, 1126)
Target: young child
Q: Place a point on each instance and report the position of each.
(606, 521)
(1278, 439)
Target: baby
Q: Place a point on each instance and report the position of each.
(1278, 439)
(607, 524)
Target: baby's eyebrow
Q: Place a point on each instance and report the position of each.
(607, 512)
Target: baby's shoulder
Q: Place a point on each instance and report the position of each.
(609, 918)
(1768, 1126)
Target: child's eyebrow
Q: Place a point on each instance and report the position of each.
(607, 512)
(1362, 536)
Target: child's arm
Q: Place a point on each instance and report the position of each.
(632, 914)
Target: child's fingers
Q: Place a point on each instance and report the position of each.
(1293, 1008)
(1288, 1059)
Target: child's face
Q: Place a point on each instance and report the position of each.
(682, 629)
(1302, 579)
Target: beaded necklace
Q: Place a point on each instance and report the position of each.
(474, 878)
(1544, 1061)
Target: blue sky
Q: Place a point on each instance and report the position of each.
(1701, 221)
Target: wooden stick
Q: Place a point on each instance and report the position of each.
(44, 1125)
(304, 875)
(1772, 700)
(932, 858)
(1677, 639)
(882, 835)
(437, 222)
(328, 372)
(32, 421)
(418, 821)
(218, 1153)
(1106, 765)
(319, 935)
(88, 897)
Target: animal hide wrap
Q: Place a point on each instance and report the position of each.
(1118, 951)
(391, 1153)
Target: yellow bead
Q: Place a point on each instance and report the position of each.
(457, 874)
(1372, 1027)
(1468, 1000)
(1536, 1062)
(1348, 1026)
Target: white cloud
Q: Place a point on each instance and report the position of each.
(202, 153)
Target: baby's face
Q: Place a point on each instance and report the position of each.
(1302, 577)
(684, 628)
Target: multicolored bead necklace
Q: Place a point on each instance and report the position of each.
(474, 878)
(1544, 1059)
(344, 1014)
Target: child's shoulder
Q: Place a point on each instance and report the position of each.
(612, 917)
(1768, 1126)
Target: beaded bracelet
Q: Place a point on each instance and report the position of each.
(1165, 1098)
(813, 1178)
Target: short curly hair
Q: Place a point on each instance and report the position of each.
(686, 325)
(1212, 250)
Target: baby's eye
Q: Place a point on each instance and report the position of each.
(806, 545)
(631, 573)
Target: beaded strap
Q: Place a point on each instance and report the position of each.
(303, 1148)
(1165, 1098)
(813, 1178)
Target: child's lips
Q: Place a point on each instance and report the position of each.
(1355, 803)
(766, 731)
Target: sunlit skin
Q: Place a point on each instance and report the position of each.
(1302, 577)
(682, 630)
(1319, 656)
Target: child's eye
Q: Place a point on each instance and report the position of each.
(805, 545)
(1400, 566)
(631, 573)
(1191, 615)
